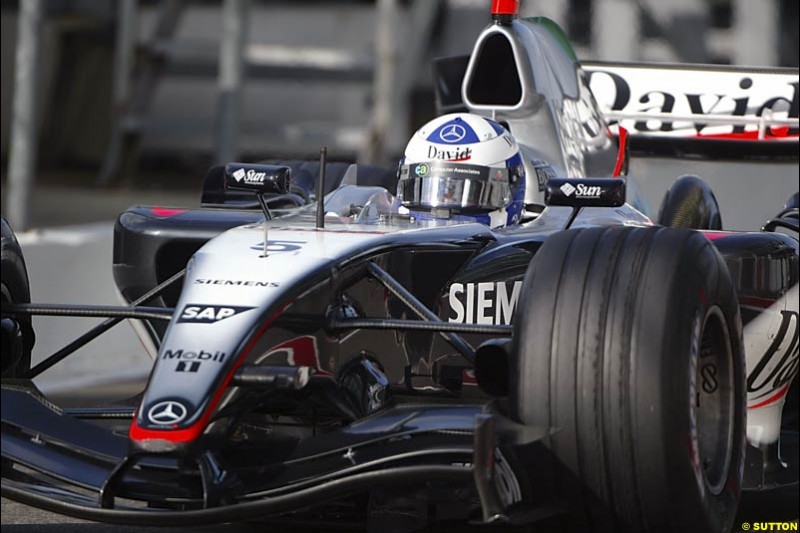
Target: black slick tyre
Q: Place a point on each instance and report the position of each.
(690, 203)
(627, 343)
(17, 332)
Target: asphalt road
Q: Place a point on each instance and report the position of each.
(18, 518)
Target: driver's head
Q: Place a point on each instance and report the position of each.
(463, 166)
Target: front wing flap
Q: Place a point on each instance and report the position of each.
(63, 464)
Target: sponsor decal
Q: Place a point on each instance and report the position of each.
(453, 133)
(186, 355)
(276, 247)
(777, 368)
(581, 190)
(249, 177)
(167, 413)
(451, 154)
(601, 192)
(446, 170)
(484, 303)
(208, 314)
(544, 172)
(187, 366)
(693, 92)
(236, 283)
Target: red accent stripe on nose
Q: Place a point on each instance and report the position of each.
(193, 431)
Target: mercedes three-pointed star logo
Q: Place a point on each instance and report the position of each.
(167, 413)
(453, 133)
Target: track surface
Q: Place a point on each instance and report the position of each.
(18, 518)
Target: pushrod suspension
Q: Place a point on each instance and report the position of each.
(99, 329)
(411, 301)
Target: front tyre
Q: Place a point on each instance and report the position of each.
(17, 333)
(627, 342)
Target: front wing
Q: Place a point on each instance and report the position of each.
(61, 463)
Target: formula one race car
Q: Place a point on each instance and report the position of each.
(397, 360)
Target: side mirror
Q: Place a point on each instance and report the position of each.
(585, 192)
(260, 179)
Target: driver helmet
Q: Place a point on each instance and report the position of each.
(465, 167)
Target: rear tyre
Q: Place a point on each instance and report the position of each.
(627, 341)
(690, 203)
(17, 332)
(793, 202)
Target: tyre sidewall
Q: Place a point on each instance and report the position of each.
(14, 280)
(695, 507)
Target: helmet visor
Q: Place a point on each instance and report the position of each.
(454, 186)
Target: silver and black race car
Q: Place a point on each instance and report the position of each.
(587, 368)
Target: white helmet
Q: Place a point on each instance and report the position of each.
(463, 166)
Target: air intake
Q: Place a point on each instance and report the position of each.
(494, 80)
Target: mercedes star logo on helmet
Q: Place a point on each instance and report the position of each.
(453, 133)
(167, 413)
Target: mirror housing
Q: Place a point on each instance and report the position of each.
(585, 192)
(260, 179)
